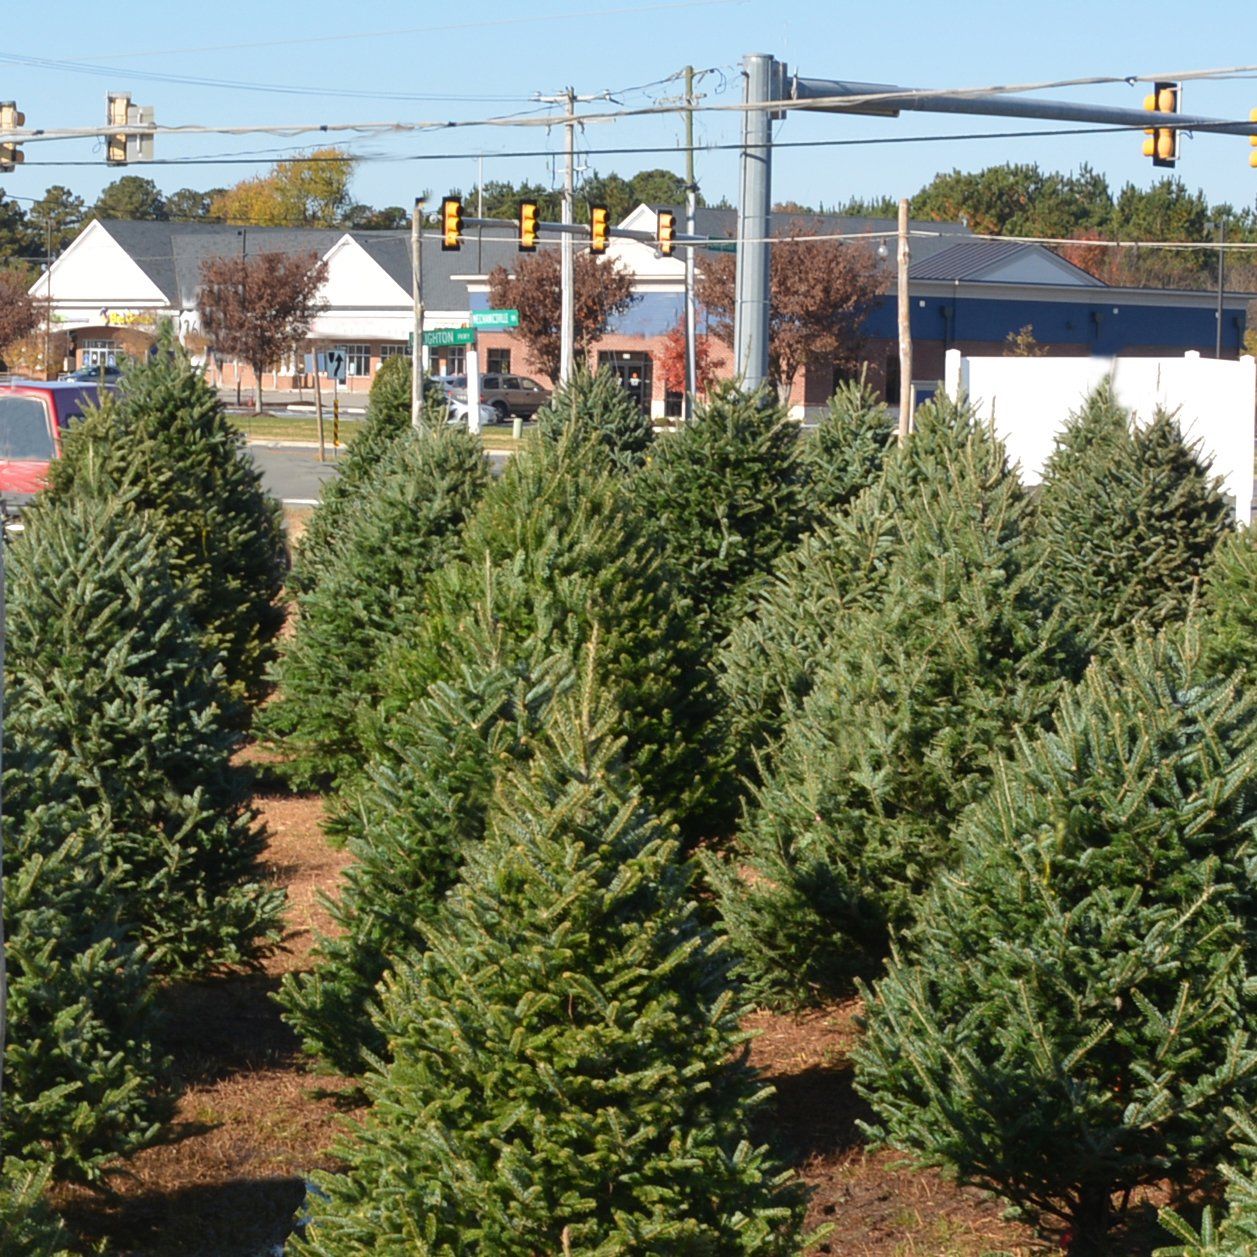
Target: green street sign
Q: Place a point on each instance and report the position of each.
(722, 246)
(494, 318)
(450, 336)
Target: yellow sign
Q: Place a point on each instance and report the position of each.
(128, 318)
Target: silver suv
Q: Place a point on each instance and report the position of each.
(507, 394)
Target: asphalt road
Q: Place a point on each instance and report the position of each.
(294, 474)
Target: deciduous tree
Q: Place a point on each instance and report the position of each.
(19, 315)
(259, 308)
(820, 292)
(601, 290)
(672, 360)
(308, 191)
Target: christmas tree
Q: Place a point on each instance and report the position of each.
(566, 1073)
(915, 684)
(1070, 1019)
(28, 1227)
(1129, 519)
(1236, 1234)
(372, 589)
(599, 406)
(167, 449)
(727, 493)
(850, 446)
(387, 418)
(112, 688)
(1228, 619)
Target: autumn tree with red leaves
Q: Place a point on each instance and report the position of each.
(600, 291)
(821, 291)
(259, 308)
(672, 360)
(19, 315)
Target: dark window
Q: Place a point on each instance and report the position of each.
(498, 360)
(891, 391)
(510, 381)
(24, 430)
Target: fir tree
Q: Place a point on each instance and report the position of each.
(167, 448)
(1069, 1020)
(1228, 620)
(916, 683)
(597, 405)
(1236, 1233)
(387, 418)
(565, 1074)
(372, 589)
(847, 451)
(111, 686)
(727, 493)
(1129, 518)
(28, 1227)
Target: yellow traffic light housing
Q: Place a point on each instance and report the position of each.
(599, 229)
(451, 224)
(11, 118)
(1252, 139)
(117, 114)
(666, 233)
(528, 226)
(1161, 143)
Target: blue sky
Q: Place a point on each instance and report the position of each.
(464, 62)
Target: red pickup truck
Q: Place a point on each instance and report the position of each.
(33, 415)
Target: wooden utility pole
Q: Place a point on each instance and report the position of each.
(905, 328)
(416, 294)
(318, 399)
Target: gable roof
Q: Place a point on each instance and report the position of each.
(1005, 261)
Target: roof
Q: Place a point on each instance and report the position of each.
(390, 250)
(978, 260)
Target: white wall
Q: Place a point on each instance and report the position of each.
(1030, 400)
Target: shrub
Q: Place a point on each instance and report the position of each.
(567, 1072)
(110, 685)
(1069, 1020)
(598, 406)
(372, 589)
(166, 448)
(27, 1225)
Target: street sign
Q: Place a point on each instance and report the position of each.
(335, 360)
(722, 246)
(494, 318)
(450, 336)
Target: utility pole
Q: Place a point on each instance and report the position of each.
(691, 203)
(905, 328)
(416, 295)
(750, 317)
(567, 338)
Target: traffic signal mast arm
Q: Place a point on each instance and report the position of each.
(582, 229)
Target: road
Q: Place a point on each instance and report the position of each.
(294, 474)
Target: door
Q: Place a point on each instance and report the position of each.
(635, 373)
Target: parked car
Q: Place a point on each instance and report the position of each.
(459, 411)
(507, 394)
(33, 416)
(102, 374)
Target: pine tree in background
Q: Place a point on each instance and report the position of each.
(413, 822)
(914, 691)
(426, 486)
(850, 446)
(110, 684)
(80, 1071)
(598, 405)
(387, 418)
(1228, 620)
(167, 448)
(566, 1073)
(28, 1227)
(561, 552)
(1071, 1017)
(1129, 520)
(1236, 1234)
(727, 494)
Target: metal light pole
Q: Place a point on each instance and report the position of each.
(750, 318)
(691, 202)
(416, 296)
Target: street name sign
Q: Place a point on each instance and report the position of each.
(494, 318)
(449, 336)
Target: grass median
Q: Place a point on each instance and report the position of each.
(304, 428)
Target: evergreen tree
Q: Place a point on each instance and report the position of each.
(110, 685)
(847, 451)
(598, 405)
(372, 590)
(566, 1074)
(727, 493)
(1129, 519)
(916, 683)
(167, 448)
(1236, 1234)
(416, 817)
(562, 553)
(28, 1227)
(1069, 1020)
(387, 418)
(1228, 622)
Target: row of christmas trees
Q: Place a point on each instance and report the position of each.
(983, 755)
(142, 609)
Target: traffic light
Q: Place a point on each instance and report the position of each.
(117, 114)
(11, 154)
(666, 233)
(528, 226)
(1252, 139)
(599, 229)
(451, 223)
(1161, 143)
